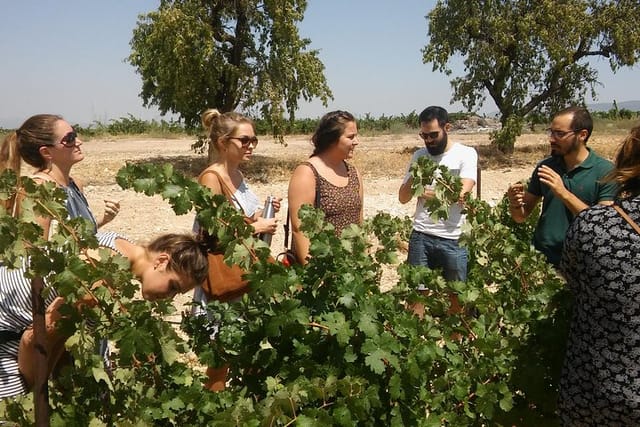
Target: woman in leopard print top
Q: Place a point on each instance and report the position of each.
(326, 180)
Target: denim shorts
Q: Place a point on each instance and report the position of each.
(438, 253)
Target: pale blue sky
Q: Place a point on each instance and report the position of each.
(67, 57)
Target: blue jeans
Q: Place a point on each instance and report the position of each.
(436, 252)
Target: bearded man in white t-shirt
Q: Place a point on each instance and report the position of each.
(434, 244)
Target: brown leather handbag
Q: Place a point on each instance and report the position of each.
(224, 282)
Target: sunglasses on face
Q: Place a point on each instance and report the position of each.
(69, 140)
(429, 135)
(246, 141)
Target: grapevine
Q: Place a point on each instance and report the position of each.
(312, 345)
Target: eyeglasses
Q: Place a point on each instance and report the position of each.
(246, 141)
(69, 140)
(429, 135)
(559, 134)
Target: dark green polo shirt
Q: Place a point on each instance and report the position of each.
(584, 182)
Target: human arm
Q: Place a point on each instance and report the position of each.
(54, 340)
(554, 181)
(302, 191)
(405, 193)
(54, 344)
(467, 187)
(266, 225)
(468, 171)
(111, 209)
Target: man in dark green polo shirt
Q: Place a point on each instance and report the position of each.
(567, 182)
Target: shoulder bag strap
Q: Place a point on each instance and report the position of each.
(226, 191)
(627, 218)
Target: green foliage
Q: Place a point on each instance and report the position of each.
(427, 174)
(505, 137)
(367, 124)
(616, 113)
(131, 125)
(530, 57)
(247, 55)
(313, 345)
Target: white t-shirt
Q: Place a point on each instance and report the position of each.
(461, 161)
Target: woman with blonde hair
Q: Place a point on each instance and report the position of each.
(327, 181)
(51, 146)
(232, 136)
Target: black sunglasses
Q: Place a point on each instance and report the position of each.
(69, 140)
(246, 140)
(429, 135)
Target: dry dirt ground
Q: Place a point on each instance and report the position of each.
(381, 159)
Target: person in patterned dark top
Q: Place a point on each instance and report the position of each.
(170, 264)
(327, 181)
(600, 382)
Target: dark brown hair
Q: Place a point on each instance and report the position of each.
(25, 142)
(188, 255)
(330, 129)
(581, 119)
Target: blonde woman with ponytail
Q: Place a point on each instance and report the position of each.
(232, 136)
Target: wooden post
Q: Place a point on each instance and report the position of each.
(478, 181)
(40, 387)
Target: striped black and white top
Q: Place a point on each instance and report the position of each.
(16, 316)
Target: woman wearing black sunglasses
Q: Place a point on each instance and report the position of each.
(50, 145)
(232, 136)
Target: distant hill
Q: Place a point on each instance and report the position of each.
(606, 106)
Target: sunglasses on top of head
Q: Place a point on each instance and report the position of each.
(246, 141)
(69, 140)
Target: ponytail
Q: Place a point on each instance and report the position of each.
(9, 154)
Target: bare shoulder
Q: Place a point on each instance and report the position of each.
(302, 184)
(41, 177)
(209, 179)
(303, 172)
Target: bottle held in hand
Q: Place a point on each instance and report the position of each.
(267, 212)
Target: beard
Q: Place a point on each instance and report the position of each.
(557, 151)
(438, 147)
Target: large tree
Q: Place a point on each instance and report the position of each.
(227, 54)
(530, 56)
